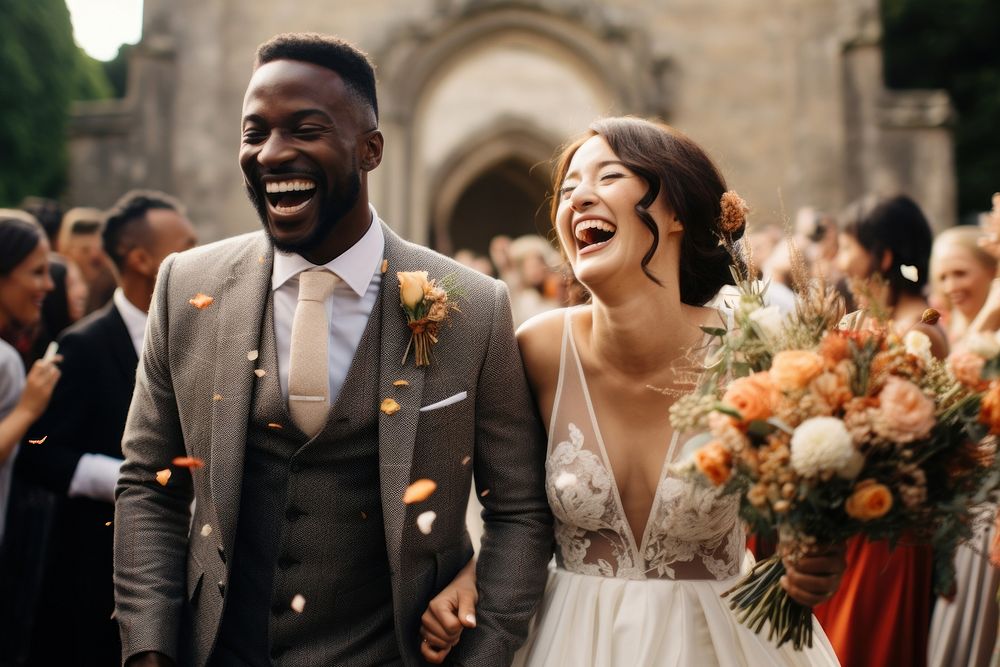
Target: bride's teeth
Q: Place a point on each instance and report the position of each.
(592, 224)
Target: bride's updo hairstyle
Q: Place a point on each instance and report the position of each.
(667, 160)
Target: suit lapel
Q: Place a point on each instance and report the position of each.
(241, 301)
(398, 431)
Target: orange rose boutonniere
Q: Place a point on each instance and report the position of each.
(427, 305)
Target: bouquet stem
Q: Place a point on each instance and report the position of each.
(759, 598)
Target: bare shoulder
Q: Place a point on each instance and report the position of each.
(540, 339)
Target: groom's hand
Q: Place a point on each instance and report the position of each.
(149, 659)
(450, 612)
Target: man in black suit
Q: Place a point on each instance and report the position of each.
(80, 457)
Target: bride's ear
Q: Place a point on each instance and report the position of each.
(674, 224)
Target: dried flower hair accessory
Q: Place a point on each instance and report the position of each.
(734, 212)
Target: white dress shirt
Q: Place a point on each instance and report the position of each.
(96, 475)
(347, 310)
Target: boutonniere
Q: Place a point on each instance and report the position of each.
(427, 304)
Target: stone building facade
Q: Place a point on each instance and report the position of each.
(477, 95)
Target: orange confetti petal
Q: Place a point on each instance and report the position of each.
(260, 372)
(419, 491)
(385, 265)
(466, 460)
(216, 397)
(201, 301)
(389, 406)
(298, 603)
(163, 476)
(274, 425)
(107, 523)
(485, 493)
(191, 462)
(400, 383)
(39, 441)
(252, 355)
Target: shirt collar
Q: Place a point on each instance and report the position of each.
(134, 318)
(355, 266)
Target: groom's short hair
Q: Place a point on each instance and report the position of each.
(347, 60)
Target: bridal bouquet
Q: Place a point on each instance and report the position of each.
(829, 427)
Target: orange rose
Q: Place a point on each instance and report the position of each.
(833, 387)
(754, 396)
(989, 410)
(714, 462)
(795, 369)
(870, 500)
(835, 347)
(968, 369)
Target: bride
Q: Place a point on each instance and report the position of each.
(642, 556)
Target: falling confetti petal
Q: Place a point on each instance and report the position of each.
(107, 523)
(910, 272)
(298, 603)
(466, 460)
(425, 521)
(39, 441)
(260, 372)
(485, 493)
(385, 265)
(260, 259)
(201, 301)
(419, 491)
(252, 355)
(216, 397)
(565, 479)
(400, 383)
(206, 530)
(163, 476)
(364, 515)
(192, 462)
(389, 406)
(274, 425)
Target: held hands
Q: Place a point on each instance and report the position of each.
(814, 577)
(450, 612)
(38, 386)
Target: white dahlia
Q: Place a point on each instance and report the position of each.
(822, 444)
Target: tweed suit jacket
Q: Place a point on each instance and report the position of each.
(193, 397)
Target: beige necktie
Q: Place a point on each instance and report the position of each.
(308, 368)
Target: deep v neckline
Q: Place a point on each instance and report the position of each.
(638, 548)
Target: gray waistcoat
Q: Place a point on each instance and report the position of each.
(310, 524)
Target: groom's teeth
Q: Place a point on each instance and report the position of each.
(292, 209)
(294, 185)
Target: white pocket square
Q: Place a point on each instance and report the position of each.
(451, 400)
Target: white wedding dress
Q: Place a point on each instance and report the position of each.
(617, 601)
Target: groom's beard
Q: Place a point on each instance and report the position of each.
(332, 208)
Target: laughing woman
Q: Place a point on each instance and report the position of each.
(642, 555)
(24, 282)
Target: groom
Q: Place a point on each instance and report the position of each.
(274, 359)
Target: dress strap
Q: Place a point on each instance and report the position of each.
(554, 414)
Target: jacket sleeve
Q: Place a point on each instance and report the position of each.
(510, 464)
(152, 519)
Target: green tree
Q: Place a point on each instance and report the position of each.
(43, 72)
(953, 45)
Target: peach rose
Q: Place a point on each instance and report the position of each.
(411, 287)
(989, 410)
(754, 396)
(714, 462)
(905, 413)
(795, 369)
(968, 369)
(833, 387)
(870, 500)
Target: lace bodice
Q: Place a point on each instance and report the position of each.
(692, 531)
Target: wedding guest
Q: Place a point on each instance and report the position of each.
(964, 625)
(532, 261)
(84, 424)
(48, 213)
(24, 282)
(64, 305)
(880, 615)
(80, 241)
